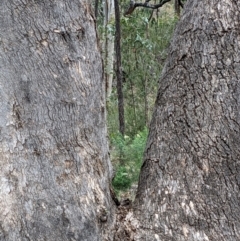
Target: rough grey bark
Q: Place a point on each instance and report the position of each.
(54, 166)
(190, 178)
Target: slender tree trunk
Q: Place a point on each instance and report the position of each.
(96, 8)
(119, 69)
(190, 178)
(54, 167)
(177, 7)
(146, 108)
(133, 102)
(109, 20)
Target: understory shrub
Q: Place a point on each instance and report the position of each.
(127, 155)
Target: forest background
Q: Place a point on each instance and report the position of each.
(145, 36)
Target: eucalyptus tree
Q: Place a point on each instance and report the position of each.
(189, 182)
(54, 167)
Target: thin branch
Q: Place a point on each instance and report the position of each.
(134, 5)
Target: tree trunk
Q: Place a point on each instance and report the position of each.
(177, 7)
(54, 167)
(96, 8)
(119, 69)
(109, 20)
(190, 178)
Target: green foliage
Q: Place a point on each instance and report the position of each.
(127, 156)
(145, 36)
(144, 49)
(122, 181)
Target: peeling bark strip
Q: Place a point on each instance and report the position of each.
(54, 165)
(189, 184)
